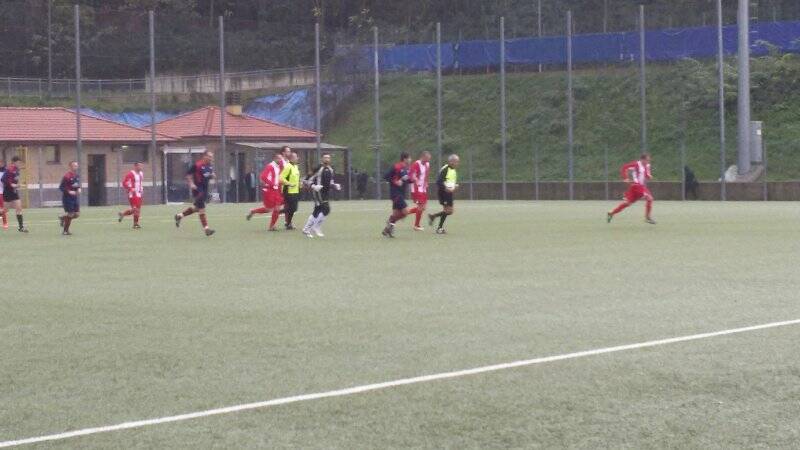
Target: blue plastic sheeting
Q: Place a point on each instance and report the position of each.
(294, 108)
(136, 119)
(661, 45)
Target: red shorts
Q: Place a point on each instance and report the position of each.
(635, 193)
(420, 198)
(136, 202)
(272, 199)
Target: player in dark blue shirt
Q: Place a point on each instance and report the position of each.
(199, 178)
(70, 188)
(11, 185)
(398, 178)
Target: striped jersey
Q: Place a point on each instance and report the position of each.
(637, 171)
(133, 184)
(419, 175)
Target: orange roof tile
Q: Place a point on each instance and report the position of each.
(205, 122)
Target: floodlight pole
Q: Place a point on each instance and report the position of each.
(744, 87)
(318, 88)
(376, 64)
(439, 126)
(49, 48)
(539, 24)
(643, 77)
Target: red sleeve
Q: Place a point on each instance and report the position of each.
(128, 182)
(265, 176)
(626, 168)
(414, 172)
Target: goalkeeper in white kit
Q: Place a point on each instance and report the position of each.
(320, 181)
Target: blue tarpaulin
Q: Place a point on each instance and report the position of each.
(661, 45)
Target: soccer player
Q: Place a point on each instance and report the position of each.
(419, 186)
(70, 188)
(290, 178)
(397, 177)
(321, 181)
(636, 174)
(133, 184)
(11, 191)
(447, 184)
(270, 191)
(199, 177)
(3, 210)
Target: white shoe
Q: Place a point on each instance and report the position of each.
(307, 233)
(419, 229)
(318, 232)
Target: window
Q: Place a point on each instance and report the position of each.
(52, 154)
(134, 153)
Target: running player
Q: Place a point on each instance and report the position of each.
(397, 177)
(321, 181)
(3, 210)
(70, 188)
(11, 191)
(447, 184)
(270, 191)
(290, 178)
(636, 174)
(133, 184)
(419, 186)
(199, 177)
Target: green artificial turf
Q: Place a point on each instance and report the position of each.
(113, 325)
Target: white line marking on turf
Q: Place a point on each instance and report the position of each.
(388, 384)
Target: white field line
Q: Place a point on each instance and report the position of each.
(386, 385)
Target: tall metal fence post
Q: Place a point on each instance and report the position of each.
(605, 172)
(721, 82)
(471, 177)
(536, 172)
(439, 119)
(503, 125)
(570, 118)
(682, 171)
(743, 126)
(40, 178)
(79, 139)
(643, 77)
(151, 19)
(376, 64)
(539, 24)
(318, 89)
(766, 174)
(49, 48)
(222, 105)
(119, 169)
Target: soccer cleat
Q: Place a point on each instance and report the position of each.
(120, 216)
(209, 232)
(177, 220)
(609, 217)
(388, 231)
(66, 233)
(441, 231)
(289, 227)
(318, 232)
(419, 228)
(272, 229)
(22, 230)
(137, 227)
(307, 233)
(430, 220)
(650, 221)
(249, 216)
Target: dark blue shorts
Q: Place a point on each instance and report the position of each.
(71, 204)
(200, 199)
(399, 203)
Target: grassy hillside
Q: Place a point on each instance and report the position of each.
(681, 111)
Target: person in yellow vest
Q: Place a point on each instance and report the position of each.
(447, 181)
(290, 179)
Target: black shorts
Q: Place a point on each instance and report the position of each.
(10, 195)
(290, 202)
(399, 203)
(71, 203)
(445, 198)
(200, 199)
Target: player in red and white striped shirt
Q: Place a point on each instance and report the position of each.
(419, 186)
(636, 174)
(133, 183)
(271, 195)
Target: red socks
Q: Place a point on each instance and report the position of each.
(275, 215)
(203, 220)
(261, 210)
(127, 212)
(5, 218)
(648, 207)
(396, 216)
(620, 208)
(136, 219)
(418, 218)
(188, 212)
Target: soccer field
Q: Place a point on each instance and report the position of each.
(113, 325)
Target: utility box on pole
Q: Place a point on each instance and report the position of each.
(757, 142)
